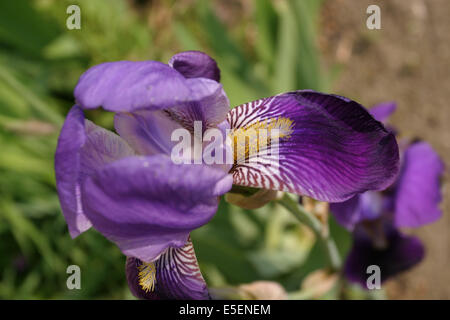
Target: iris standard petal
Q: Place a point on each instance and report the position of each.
(418, 190)
(148, 132)
(174, 275)
(402, 253)
(195, 64)
(329, 148)
(125, 86)
(209, 105)
(382, 111)
(367, 206)
(147, 204)
(82, 148)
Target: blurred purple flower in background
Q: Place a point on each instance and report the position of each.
(374, 217)
(127, 187)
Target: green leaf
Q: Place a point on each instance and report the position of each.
(24, 27)
(266, 20)
(286, 62)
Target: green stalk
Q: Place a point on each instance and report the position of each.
(299, 212)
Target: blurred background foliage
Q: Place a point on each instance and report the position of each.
(262, 47)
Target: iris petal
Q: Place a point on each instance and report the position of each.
(332, 148)
(402, 252)
(126, 86)
(148, 132)
(67, 167)
(367, 206)
(82, 149)
(174, 275)
(210, 106)
(195, 64)
(418, 191)
(382, 111)
(147, 204)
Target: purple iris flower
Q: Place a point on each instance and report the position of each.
(128, 188)
(374, 217)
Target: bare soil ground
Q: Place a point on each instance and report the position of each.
(407, 61)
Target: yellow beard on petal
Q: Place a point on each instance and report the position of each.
(147, 276)
(249, 140)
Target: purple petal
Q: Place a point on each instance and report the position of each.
(370, 205)
(148, 132)
(347, 213)
(195, 64)
(101, 147)
(210, 106)
(402, 253)
(127, 86)
(211, 146)
(67, 167)
(332, 150)
(82, 148)
(418, 192)
(147, 204)
(175, 275)
(382, 111)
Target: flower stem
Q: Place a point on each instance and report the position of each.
(299, 212)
